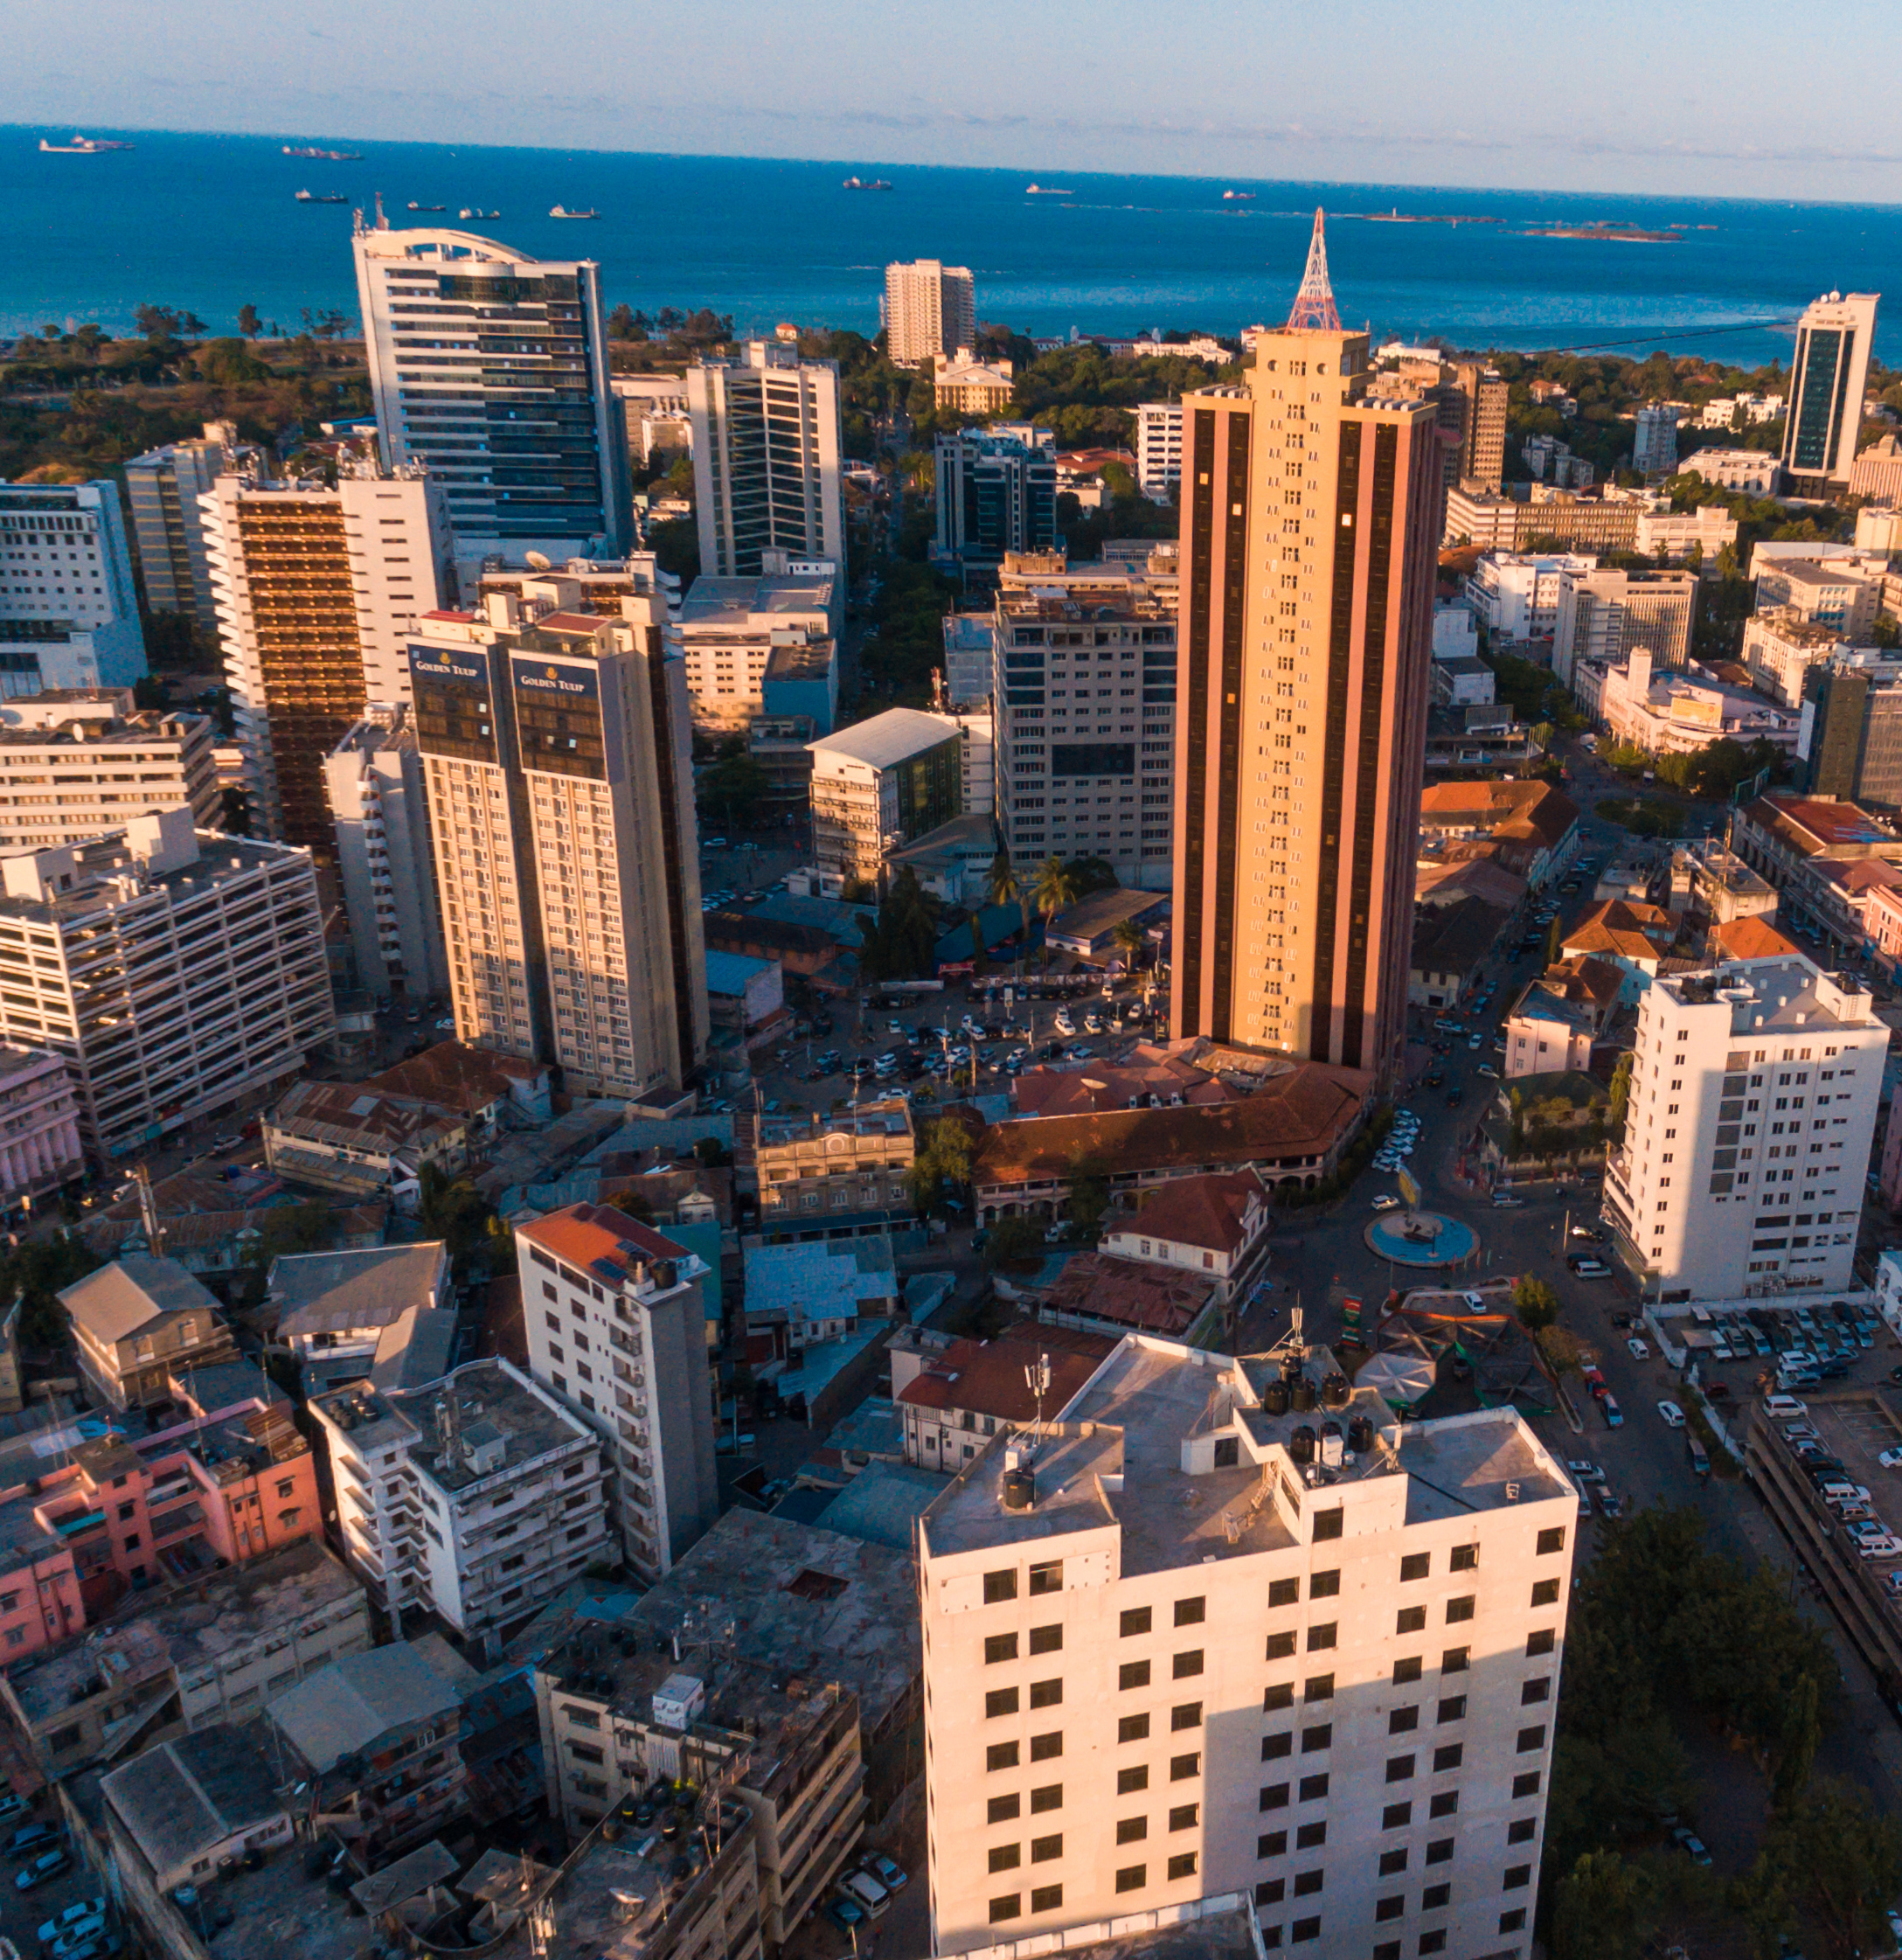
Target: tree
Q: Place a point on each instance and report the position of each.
(1089, 1199)
(1604, 1908)
(1536, 1303)
(621, 324)
(248, 323)
(148, 692)
(1002, 884)
(1013, 1239)
(1090, 874)
(1056, 887)
(944, 1159)
(1620, 1094)
(1829, 1866)
(1127, 936)
(234, 812)
(35, 1272)
(1555, 941)
(901, 942)
(735, 786)
(453, 1210)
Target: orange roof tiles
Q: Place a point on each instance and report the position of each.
(1750, 939)
(582, 1233)
(1206, 1212)
(987, 1377)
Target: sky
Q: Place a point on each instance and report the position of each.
(1716, 97)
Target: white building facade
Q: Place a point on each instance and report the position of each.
(1159, 447)
(1516, 595)
(75, 763)
(930, 309)
(163, 487)
(69, 611)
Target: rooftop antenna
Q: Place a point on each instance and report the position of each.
(154, 1233)
(1314, 310)
(1036, 1379)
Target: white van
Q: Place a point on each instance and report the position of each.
(1783, 1408)
(864, 1890)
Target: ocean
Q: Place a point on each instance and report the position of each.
(210, 223)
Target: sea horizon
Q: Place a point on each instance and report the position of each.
(766, 240)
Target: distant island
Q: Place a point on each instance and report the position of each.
(1619, 234)
(1398, 216)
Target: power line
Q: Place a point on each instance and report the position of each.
(1651, 339)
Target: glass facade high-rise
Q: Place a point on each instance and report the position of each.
(491, 368)
(1826, 378)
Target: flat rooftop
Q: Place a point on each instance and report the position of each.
(1765, 996)
(889, 738)
(726, 602)
(104, 861)
(204, 1624)
(1221, 1927)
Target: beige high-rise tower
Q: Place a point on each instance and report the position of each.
(929, 308)
(1311, 516)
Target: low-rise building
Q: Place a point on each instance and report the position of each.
(493, 1092)
(962, 384)
(478, 1497)
(1877, 471)
(1635, 937)
(617, 1328)
(1674, 535)
(1837, 594)
(881, 785)
(39, 1126)
(1792, 841)
(1450, 945)
(1216, 1226)
(952, 1394)
(808, 1292)
(137, 1322)
(335, 1311)
(1779, 648)
(1494, 521)
(856, 1160)
(1463, 681)
(1677, 711)
(76, 762)
(745, 999)
(1756, 471)
(1708, 881)
(1535, 826)
(1516, 593)
(162, 1040)
(345, 1139)
(729, 632)
(375, 1735)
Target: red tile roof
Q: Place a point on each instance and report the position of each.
(1129, 1293)
(987, 1377)
(1105, 1086)
(1206, 1212)
(590, 623)
(1750, 939)
(582, 1233)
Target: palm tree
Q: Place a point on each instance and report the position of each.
(1055, 888)
(1128, 935)
(1005, 886)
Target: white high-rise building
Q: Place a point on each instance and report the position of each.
(1199, 1636)
(616, 1326)
(163, 487)
(178, 971)
(1654, 440)
(1754, 1088)
(1159, 447)
(69, 613)
(318, 592)
(558, 755)
(491, 368)
(930, 309)
(384, 859)
(77, 763)
(766, 459)
(1827, 380)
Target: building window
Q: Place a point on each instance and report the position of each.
(1183, 1767)
(1449, 1756)
(1133, 1728)
(1320, 1687)
(1000, 1701)
(1324, 1585)
(1412, 1619)
(1281, 1645)
(1321, 1635)
(1313, 1789)
(1000, 1586)
(1132, 1831)
(1454, 1660)
(1185, 1714)
(1046, 1578)
(1281, 1695)
(1415, 1565)
(1273, 1797)
(1047, 1640)
(1045, 1694)
(1130, 1878)
(1001, 1755)
(1303, 1931)
(1513, 1921)
(1047, 1796)
(1188, 1665)
(1435, 1897)
(1182, 1866)
(1446, 1805)
(1045, 1898)
(1458, 1609)
(1135, 1621)
(1517, 1876)
(1539, 1642)
(1390, 1907)
(1190, 1612)
(1433, 1942)
(1393, 1861)
(1134, 1778)
(1326, 1524)
(1043, 1747)
(1133, 1674)
(1284, 1592)
(1466, 1558)
(1043, 1850)
(1274, 1747)
(1006, 1907)
(1000, 1647)
(1184, 1817)
(1527, 1785)
(1530, 1691)
(1395, 1816)
(1006, 1858)
(1531, 1738)
(1546, 1593)
(1001, 1810)
(1401, 1720)
(1551, 1540)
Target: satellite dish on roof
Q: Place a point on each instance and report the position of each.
(537, 561)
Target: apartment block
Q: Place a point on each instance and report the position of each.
(881, 785)
(1828, 379)
(489, 368)
(765, 459)
(373, 780)
(930, 309)
(995, 493)
(1850, 746)
(318, 591)
(580, 585)
(40, 1127)
(69, 610)
(1675, 534)
(1303, 1652)
(477, 1497)
(78, 762)
(1754, 1089)
(655, 408)
(557, 753)
(731, 632)
(177, 971)
(1780, 648)
(1310, 532)
(1482, 432)
(1841, 594)
(1159, 447)
(1517, 595)
(616, 1327)
(1755, 470)
(1654, 440)
(1558, 520)
(1084, 688)
(1606, 616)
(163, 487)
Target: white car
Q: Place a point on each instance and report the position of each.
(1674, 1416)
(1589, 1473)
(1386, 1202)
(1637, 1349)
(1882, 1548)
(1890, 1459)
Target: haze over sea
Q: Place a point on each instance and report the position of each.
(208, 222)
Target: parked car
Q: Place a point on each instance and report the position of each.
(83, 1932)
(845, 1914)
(863, 1890)
(1692, 1846)
(1614, 1418)
(68, 1917)
(891, 1874)
(32, 1837)
(48, 1864)
(1585, 1267)
(1674, 1416)
(1386, 1202)
(1638, 1350)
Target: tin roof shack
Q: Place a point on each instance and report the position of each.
(198, 1833)
(136, 1320)
(93, 1698)
(377, 1733)
(335, 1310)
(344, 1138)
(801, 1661)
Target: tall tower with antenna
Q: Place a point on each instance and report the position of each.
(1314, 310)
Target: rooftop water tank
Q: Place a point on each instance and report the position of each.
(1301, 1445)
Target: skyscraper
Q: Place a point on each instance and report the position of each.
(1483, 436)
(163, 487)
(557, 751)
(317, 592)
(1311, 515)
(1826, 378)
(765, 459)
(994, 493)
(491, 367)
(929, 308)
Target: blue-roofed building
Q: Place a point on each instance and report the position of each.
(843, 922)
(704, 1239)
(882, 1504)
(872, 1430)
(996, 922)
(745, 998)
(829, 1376)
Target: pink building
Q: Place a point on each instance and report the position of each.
(39, 1125)
(113, 1516)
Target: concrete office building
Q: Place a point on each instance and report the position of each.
(478, 1497)
(1843, 594)
(1105, 1733)
(69, 612)
(1827, 378)
(1654, 440)
(929, 308)
(766, 459)
(1607, 615)
(1516, 595)
(580, 585)
(39, 1136)
(881, 785)
(1780, 646)
(994, 493)
(557, 753)
(655, 406)
(76, 762)
(163, 487)
(1849, 745)
(318, 591)
(1095, 780)
(178, 971)
(1556, 519)
(616, 1327)
(1159, 447)
(490, 369)
(1482, 435)
(730, 631)
(386, 859)
(1310, 528)
(1739, 1071)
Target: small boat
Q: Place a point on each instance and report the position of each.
(413, 205)
(320, 197)
(1239, 197)
(83, 146)
(1046, 190)
(475, 210)
(315, 155)
(562, 211)
(866, 183)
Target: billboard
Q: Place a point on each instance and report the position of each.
(1409, 1189)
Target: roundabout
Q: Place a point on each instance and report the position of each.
(1420, 1239)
